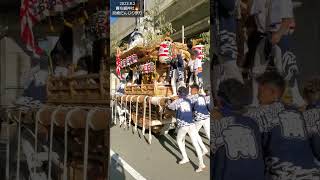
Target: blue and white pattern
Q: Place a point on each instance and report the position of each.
(266, 116)
(312, 119)
(278, 170)
(228, 44)
(201, 105)
(235, 141)
(183, 110)
(284, 140)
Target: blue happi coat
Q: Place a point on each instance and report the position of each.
(177, 64)
(287, 151)
(200, 107)
(224, 29)
(183, 109)
(312, 118)
(237, 150)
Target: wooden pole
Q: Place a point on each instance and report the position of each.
(183, 34)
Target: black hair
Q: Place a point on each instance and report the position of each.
(234, 93)
(195, 86)
(193, 53)
(272, 78)
(183, 91)
(189, 44)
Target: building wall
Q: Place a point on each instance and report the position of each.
(13, 62)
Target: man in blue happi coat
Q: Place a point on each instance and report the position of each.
(286, 147)
(235, 139)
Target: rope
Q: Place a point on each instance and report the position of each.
(137, 105)
(36, 135)
(112, 107)
(144, 114)
(51, 139)
(86, 142)
(130, 118)
(65, 159)
(150, 136)
(115, 112)
(160, 109)
(125, 112)
(8, 151)
(19, 144)
(121, 110)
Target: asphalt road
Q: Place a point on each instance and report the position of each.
(133, 158)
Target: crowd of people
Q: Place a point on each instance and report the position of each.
(255, 132)
(251, 37)
(192, 113)
(272, 141)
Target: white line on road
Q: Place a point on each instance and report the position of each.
(126, 166)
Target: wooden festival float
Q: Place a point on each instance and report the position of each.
(144, 104)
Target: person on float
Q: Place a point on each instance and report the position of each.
(224, 42)
(185, 125)
(197, 69)
(177, 72)
(275, 20)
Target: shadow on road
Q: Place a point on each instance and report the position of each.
(169, 145)
(116, 168)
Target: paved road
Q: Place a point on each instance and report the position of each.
(157, 161)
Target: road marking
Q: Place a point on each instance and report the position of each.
(126, 166)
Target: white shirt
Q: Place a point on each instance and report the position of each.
(197, 64)
(269, 13)
(191, 64)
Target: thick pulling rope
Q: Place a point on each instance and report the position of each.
(36, 135)
(112, 108)
(120, 123)
(115, 110)
(150, 136)
(130, 116)
(160, 109)
(137, 108)
(144, 114)
(86, 142)
(51, 139)
(19, 148)
(65, 159)
(125, 115)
